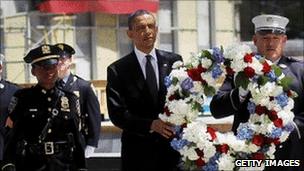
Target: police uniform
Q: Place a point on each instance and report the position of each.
(89, 105)
(46, 134)
(7, 90)
(227, 101)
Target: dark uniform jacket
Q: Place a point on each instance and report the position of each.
(89, 106)
(7, 90)
(34, 145)
(222, 106)
(131, 108)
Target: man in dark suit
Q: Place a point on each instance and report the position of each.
(7, 90)
(270, 40)
(45, 135)
(136, 96)
(89, 105)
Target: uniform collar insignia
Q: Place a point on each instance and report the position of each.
(283, 66)
(43, 91)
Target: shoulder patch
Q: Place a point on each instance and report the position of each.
(293, 59)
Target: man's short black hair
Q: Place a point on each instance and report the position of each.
(135, 14)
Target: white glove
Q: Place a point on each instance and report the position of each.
(242, 93)
(89, 150)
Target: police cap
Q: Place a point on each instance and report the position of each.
(43, 55)
(66, 50)
(265, 24)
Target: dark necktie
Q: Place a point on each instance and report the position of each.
(151, 79)
(61, 83)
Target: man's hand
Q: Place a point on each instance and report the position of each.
(242, 94)
(163, 128)
(9, 123)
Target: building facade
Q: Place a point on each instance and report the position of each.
(185, 27)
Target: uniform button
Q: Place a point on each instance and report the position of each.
(49, 99)
(49, 109)
(49, 131)
(281, 146)
(65, 117)
(86, 115)
(33, 116)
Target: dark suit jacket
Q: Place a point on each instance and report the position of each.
(89, 107)
(6, 93)
(131, 108)
(221, 106)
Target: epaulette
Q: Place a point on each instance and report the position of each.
(293, 59)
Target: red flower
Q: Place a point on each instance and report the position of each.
(258, 140)
(222, 148)
(195, 73)
(272, 115)
(260, 109)
(249, 72)
(167, 111)
(266, 67)
(200, 162)
(289, 93)
(229, 71)
(172, 97)
(248, 58)
(211, 131)
(276, 141)
(258, 156)
(199, 152)
(278, 123)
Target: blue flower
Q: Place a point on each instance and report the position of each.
(282, 99)
(177, 129)
(271, 75)
(216, 71)
(212, 165)
(167, 81)
(257, 56)
(251, 107)
(244, 132)
(178, 144)
(289, 127)
(187, 84)
(218, 55)
(276, 133)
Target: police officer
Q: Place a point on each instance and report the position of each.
(7, 90)
(270, 40)
(46, 132)
(89, 105)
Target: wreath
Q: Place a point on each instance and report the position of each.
(270, 121)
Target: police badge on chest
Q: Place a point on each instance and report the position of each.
(65, 104)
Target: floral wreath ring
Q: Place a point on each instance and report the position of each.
(270, 121)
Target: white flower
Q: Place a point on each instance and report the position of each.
(189, 153)
(226, 162)
(177, 64)
(271, 151)
(206, 63)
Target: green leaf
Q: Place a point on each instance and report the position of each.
(174, 81)
(207, 54)
(196, 106)
(262, 80)
(285, 82)
(277, 70)
(209, 90)
(241, 80)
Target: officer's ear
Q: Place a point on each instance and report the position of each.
(33, 70)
